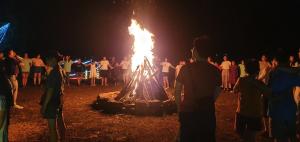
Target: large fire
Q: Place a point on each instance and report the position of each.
(142, 46)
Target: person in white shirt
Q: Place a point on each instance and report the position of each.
(125, 66)
(165, 72)
(38, 69)
(27, 62)
(67, 68)
(104, 66)
(93, 73)
(225, 66)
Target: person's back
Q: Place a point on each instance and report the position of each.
(250, 102)
(197, 110)
(282, 85)
(200, 80)
(283, 109)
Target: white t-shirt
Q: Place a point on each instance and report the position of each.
(125, 65)
(165, 66)
(104, 64)
(225, 65)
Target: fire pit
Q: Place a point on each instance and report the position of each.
(143, 95)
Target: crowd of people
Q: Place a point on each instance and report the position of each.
(267, 91)
(267, 94)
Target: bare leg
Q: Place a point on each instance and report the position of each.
(15, 89)
(167, 82)
(26, 79)
(39, 78)
(53, 134)
(105, 81)
(266, 125)
(78, 81)
(23, 79)
(34, 78)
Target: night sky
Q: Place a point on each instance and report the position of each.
(241, 28)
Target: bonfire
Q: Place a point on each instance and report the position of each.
(143, 93)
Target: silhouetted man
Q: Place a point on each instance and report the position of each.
(201, 82)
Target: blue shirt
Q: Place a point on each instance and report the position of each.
(282, 84)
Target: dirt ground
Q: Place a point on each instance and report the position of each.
(85, 124)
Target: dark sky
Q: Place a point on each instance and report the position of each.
(99, 27)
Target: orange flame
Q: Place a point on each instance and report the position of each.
(142, 46)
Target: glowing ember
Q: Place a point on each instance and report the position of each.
(142, 46)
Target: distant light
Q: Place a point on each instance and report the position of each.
(3, 31)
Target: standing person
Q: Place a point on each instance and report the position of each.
(165, 72)
(12, 70)
(52, 101)
(93, 73)
(178, 67)
(242, 69)
(38, 65)
(283, 111)
(79, 70)
(201, 82)
(264, 69)
(250, 106)
(225, 67)
(27, 62)
(125, 66)
(234, 73)
(113, 71)
(67, 68)
(5, 104)
(104, 66)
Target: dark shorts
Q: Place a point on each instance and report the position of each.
(104, 73)
(283, 129)
(165, 74)
(196, 128)
(244, 123)
(38, 69)
(52, 112)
